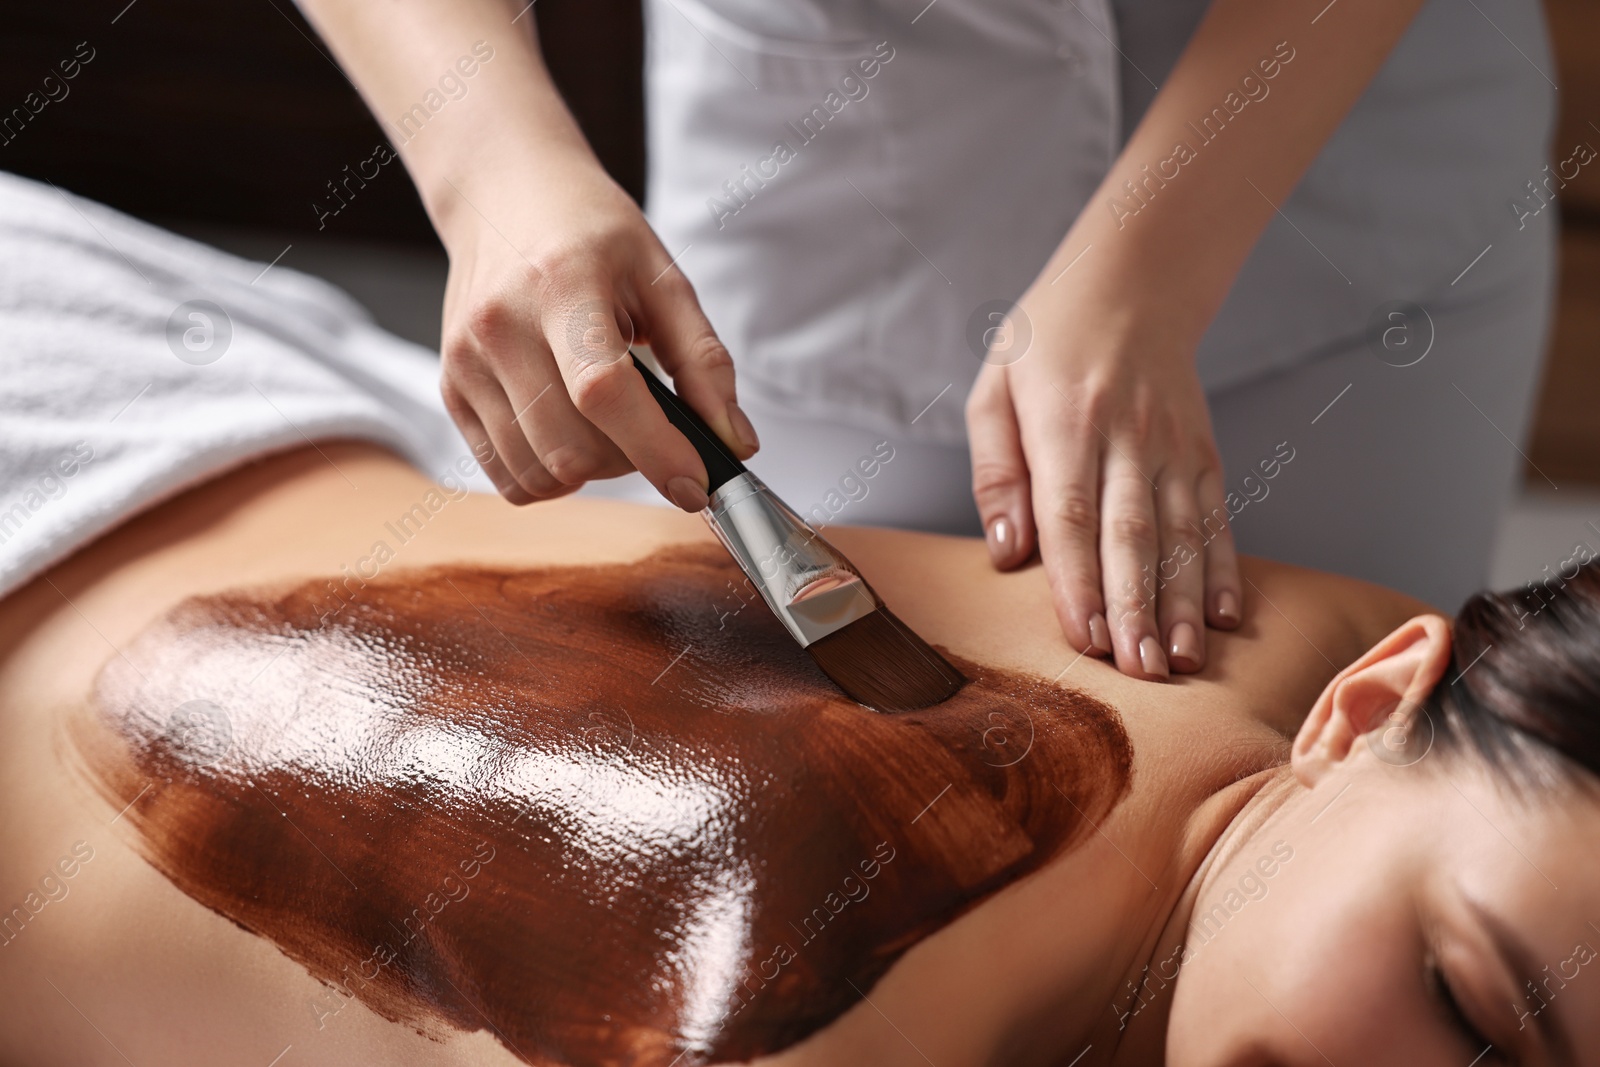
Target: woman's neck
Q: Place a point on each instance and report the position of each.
(1218, 828)
(1096, 941)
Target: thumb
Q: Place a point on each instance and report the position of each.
(999, 471)
(683, 342)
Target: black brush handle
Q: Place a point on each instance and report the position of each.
(721, 466)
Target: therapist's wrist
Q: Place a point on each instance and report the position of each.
(510, 144)
(531, 189)
(1118, 309)
(1159, 283)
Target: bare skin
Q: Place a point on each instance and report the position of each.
(1096, 449)
(1030, 976)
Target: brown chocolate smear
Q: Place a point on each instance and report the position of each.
(593, 809)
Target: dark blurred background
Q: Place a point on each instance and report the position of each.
(226, 120)
(232, 112)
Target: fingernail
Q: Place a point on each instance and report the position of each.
(1002, 539)
(686, 493)
(1227, 606)
(1184, 647)
(1100, 634)
(1150, 657)
(742, 429)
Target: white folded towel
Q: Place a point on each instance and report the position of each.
(118, 391)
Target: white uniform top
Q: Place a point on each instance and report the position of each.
(849, 182)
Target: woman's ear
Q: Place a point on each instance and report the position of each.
(1395, 675)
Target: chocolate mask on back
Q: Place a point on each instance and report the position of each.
(580, 806)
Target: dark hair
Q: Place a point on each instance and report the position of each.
(1524, 679)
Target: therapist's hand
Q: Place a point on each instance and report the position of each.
(550, 280)
(553, 269)
(1095, 447)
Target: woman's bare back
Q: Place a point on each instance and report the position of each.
(234, 632)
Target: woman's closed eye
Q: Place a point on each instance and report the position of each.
(1460, 1017)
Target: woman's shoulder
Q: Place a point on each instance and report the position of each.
(1350, 612)
(1301, 627)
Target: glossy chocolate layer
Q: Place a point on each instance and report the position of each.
(587, 808)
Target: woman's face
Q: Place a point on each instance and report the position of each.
(1399, 914)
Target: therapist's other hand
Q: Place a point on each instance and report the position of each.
(1095, 446)
(550, 281)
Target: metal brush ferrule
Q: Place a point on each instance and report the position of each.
(808, 584)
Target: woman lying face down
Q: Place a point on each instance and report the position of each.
(1442, 797)
(553, 791)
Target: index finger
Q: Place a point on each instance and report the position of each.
(591, 352)
(1129, 545)
(1064, 460)
(687, 348)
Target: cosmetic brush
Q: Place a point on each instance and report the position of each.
(818, 595)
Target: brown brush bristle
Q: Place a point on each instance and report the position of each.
(878, 661)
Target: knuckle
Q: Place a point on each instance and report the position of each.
(590, 329)
(675, 284)
(565, 276)
(1176, 530)
(1141, 425)
(1132, 529)
(540, 269)
(506, 485)
(568, 286)
(536, 480)
(458, 351)
(1077, 514)
(1215, 523)
(1088, 405)
(992, 477)
(454, 401)
(708, 353)
(571, 464)
(549, 270)
(598, 385)
(492, 322)
(463, 364)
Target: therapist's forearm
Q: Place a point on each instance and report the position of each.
(1170, 247)
(508, 124)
